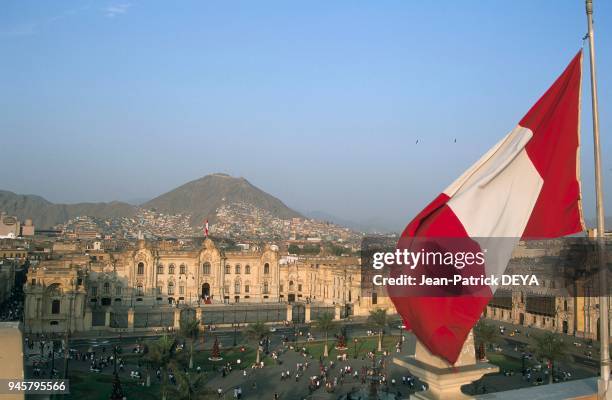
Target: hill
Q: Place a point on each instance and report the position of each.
(46, 214)
(202, 197)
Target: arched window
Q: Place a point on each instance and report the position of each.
(106, 288)
(290, 285)
(266, 269)
(55, 307)
(182, 269)
(117, 290)
(228, 269)
(170, 288)
(139, 290)
(171, 269)
(206, 268)
(265, 288)
(160, 269)
(140, 270)
(237, 287)
(237, 269)
(247, 287)
(247, 269)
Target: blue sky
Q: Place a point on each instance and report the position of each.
(319, 103)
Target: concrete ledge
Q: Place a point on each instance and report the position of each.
(582, 389)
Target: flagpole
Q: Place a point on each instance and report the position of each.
(603, 296)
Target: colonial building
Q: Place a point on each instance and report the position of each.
(62, 290)
(87, 286)
(567, 298)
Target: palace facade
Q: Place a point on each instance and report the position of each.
(80, 287)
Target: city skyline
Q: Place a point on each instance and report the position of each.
(315, 105)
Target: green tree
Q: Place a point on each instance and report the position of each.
(378, 320)
(326, 324)
(254, 332)
(189, 386)
(484, 334)
(189, 329)
(161, 353)
(551, 347)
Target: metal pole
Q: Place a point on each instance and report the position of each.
(603, 296)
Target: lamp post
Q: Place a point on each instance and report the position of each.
(42, 349)
(117, 392)
(71, 300)
(355, 341)
(52, 358)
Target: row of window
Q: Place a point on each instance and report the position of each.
(205, 269)
(171, 268)
(171, 289)
(291, 287)
(247, 288)
(247, 269)
(106, 289)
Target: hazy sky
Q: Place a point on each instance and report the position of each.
(316, 102)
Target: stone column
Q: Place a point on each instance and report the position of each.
(307, 313)
(445, 380)
(177, 318)
(130, 320)
(289, 312)
(87, 320)
(107, 318)
(337, 311)
(199, 316)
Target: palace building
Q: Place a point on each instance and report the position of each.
(89, 287)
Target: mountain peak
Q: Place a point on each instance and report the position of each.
(202, 197)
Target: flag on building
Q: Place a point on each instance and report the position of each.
(526, 187)
(206, 228)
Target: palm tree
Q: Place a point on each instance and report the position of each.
(378, 319)
(255, 332)
(160, 354)
(190, 386)
(190, 329)
(485, 334)
(325, 323)
(551, 347)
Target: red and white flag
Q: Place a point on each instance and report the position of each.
(526, 187)
(206, 228)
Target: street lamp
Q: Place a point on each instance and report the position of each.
(52, 358)
(355, 341)
(117, 393)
